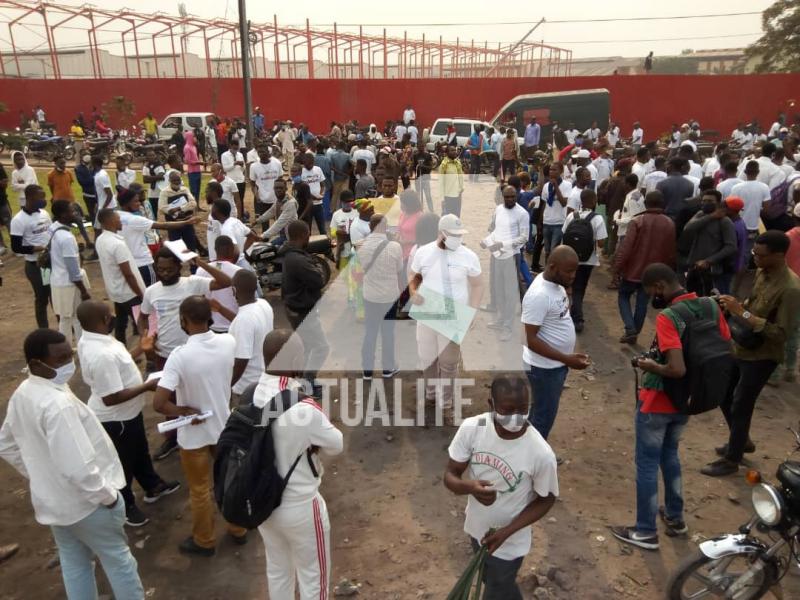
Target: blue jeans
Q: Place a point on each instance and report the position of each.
(552, 237)
(326, 201)
(100, 534)
(499, 576)
(378, 317)
(657, 437)
(525, 270)
(546, 385)
(318, 216)
(194, 185)
(633, 321)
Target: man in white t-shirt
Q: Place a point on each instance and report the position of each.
(509, 473)
(314, 177)
(452, 272)
(612, 135)
(508, 233)
(249, 328)
(554, 195)
(117, 398)
(263, 175)
(549, 349)
(413, 132)
(363, 153)
(135, 228)
(232, 162)
(729, 181)
(581, 282)
(102, 185)
(297, 534)
(154, 176)
(643, 166)
(582, 180)
(571, 133)
(652, 178)
(400, 131)
(67, 285)
(409, 115)
(340, 226)
(637, 136)
(30, 233)
(122, 280)
(755, 195)
(230, 191)
(221, 223)
(223, 302)
(199, 374)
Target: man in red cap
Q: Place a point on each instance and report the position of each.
(734, 205)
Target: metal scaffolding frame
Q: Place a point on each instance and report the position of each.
(277, 51)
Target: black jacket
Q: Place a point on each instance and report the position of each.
(675, 189)
(302, 281)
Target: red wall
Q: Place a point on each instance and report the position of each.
(716, 101)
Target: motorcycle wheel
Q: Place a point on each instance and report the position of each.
(69, 153)
(699, 576)
(323, 266)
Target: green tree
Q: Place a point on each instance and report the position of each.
(778, 49)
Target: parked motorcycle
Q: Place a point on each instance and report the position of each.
(267, 260)
(99, 146)
(47, 147)
(741, 566)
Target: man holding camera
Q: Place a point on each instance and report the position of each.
(659, 420)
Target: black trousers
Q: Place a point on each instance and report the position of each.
(122, 312)
(41, 292)
(130, 440)
(738, 409)
(578, 292)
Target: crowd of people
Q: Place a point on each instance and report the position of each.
(704, 241)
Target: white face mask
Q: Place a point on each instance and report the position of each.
(512, 423)
(453, 242)
(63, 373)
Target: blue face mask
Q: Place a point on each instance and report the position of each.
(296, 179)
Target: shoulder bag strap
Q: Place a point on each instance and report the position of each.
(378, 250)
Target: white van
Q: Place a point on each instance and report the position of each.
(185, 121)
(464, 128)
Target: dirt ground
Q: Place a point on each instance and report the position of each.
(396, 531)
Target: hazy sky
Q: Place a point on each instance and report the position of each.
(585, 39)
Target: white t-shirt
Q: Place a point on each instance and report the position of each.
(102, 182)
(62, 245)
(160, 184)
(555, 214)
(252, 324)
(571, 134)
(113, 251)
(725, 186)
(613, 136)
(342, 219)
(413, 132)
(409, 115)
(574, 200)
(755, 195)
(520, 470)
(641, 170)
(165, 301)
(600, 233)
(546, 304)
(447, 272)
(314, 178)
(229, 190)
(224, 296)
(126, 178)
(252, 157)
(134, 228)
(107, 368)
(199, 372)
(633, 205)
(363, 153)
(232, 170)
(232, 227)
(265, 174)
(637, 136)
(400, 131)
(651, 180)
(34, 229)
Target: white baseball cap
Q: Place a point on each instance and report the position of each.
(582, 153)
(452, 224)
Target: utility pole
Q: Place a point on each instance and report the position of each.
(244, 38)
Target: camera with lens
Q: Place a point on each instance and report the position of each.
(652, 354)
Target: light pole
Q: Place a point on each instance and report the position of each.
(244, 38)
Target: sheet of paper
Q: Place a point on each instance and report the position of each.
(179, 249)
(152, 320)
(154, 375)
(182, 421)
(490, 241)
(442, 314)
(179, 202)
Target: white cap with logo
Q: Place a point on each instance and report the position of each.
(451, 224)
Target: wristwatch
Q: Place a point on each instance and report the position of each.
(747, 314)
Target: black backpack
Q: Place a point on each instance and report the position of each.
(580, 236)
(710, 366)
(247, 485)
